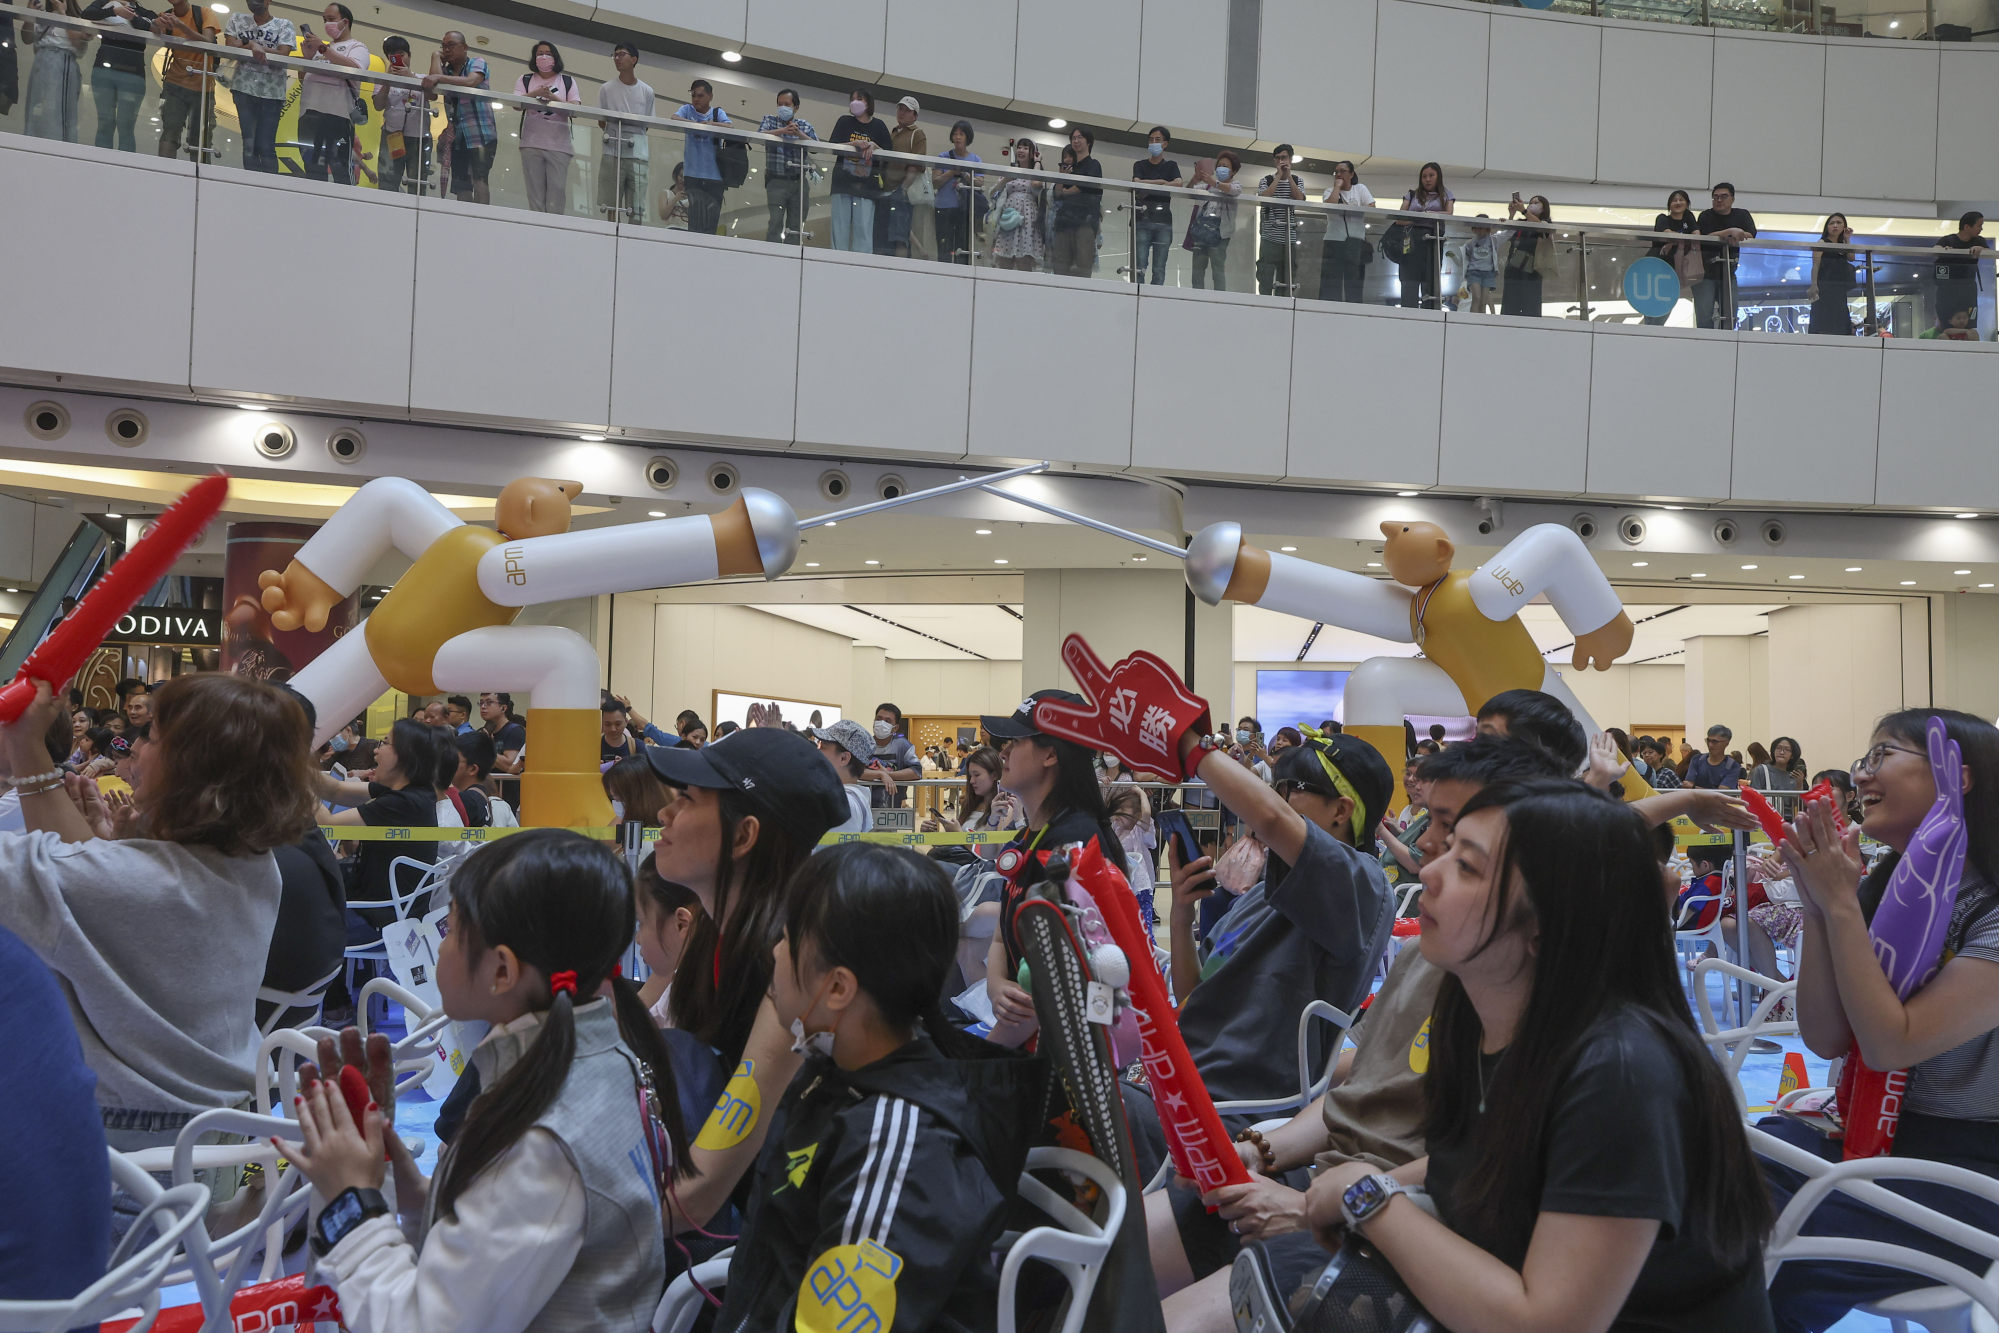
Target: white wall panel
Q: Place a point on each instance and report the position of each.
(364, 360)
(1183, 45)
(1541, 96)
(1516, 405)
(906, 393)
(1767, 133)
(1967, 109)
(1938, 403)
(1366, 389)
(722, 22)
(1805, 418)
(1084, 417)
(1881, 120)
(845, 36)
(1077, 57)
(468, 323)
(929, 50)
(1659, 408)
(690, 380)
(1295, 99)
(1219, 410)
(126, 318)
(1432, 107)
(1648, 70)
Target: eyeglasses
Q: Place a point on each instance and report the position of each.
(1288, 785)
(1870, 763)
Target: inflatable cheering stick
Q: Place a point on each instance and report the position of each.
(285, 1303)
(1773, 823)
(1138, 710)
(1908, 932)
(58, 658)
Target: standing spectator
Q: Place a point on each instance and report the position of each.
(1530, 257)
(326, 101)
(474, 137)
(404, 159)
(1659, 770)
(1785, 771)
(627, 149)
(1957, 269)
(1717, 768)
(457, 713)
(896, 218)
(118, 74)
(546, 145)
(857, 181)
(1213, 223)
(1275, 257)
(496, 717)
(618, 742)
(1417, 268)
(187, 80)
(137, 705)
(1714, 294)
(957, 192)
(1155, 211)
(1684, 256)
(894, 760)
(704, 170)
(1018, 205)
(785, 179)
(1346, 252)
(257, 85)
(1079, 211)
(55, 80)
(1481, 261)
(1832, 281)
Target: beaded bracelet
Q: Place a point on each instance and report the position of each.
(1263, 1148)
(52, 777)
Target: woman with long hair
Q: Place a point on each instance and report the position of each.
(401, 792)
(1417, 269)
(1946, 1034)
(1587, 1162)
(55, 81)
(1684, 256)
(1018, 207)
(1833, 281)
(983, 807)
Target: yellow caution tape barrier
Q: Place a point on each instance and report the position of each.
(609, 833)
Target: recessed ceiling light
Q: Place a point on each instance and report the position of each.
(982, 532)
(1287, 549)
(871, 562)
(1908, 583)
(1640, 564)
(1960, 571)
(109, 514)
(17, 589)
(1374, 564)
(1057, 123)
(1141, 559)
(999, 562)
(1675, 508)
(1749, 566)
(1794, 577)
(249, 407)
(655, 513)
(1405, 494)
(812, 564)
(1964, 516)
(220, 8)
(591, 439)
(832, 523)
(1696, 576)
(732, 56)
(1982, 585)
(1853, 569)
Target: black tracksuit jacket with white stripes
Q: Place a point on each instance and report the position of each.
(880, 1192)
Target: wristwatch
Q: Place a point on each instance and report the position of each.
(1368, 1196)
(349, 1209)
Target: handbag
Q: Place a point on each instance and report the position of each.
(1204, 229)
(358, 113)
(1689, 264)
(1010, 218)
(922, 191)
(1357, 251)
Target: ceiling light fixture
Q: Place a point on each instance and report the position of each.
(1696, 576)
(1964, 516)
(1057, 123)
(1674, 508)
(1960, 571)
(249, 407)
(871, 562)
(1749, 566)
(732, 57)
(1908, 583)
(591, 439)
(1853, 569)
(1141, 559)
(1794, 577)
(1640, 564)
(1982, 585)
(982, 532)
(812, 564)
(831, 523)
(17, 589)
(999, 562)
(1374, 564)
(655, 513)
(109, 514)
(1287, 549)
(1405, 494)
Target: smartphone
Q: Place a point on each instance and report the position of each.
(1173, 824)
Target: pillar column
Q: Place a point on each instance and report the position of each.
(1719, 688)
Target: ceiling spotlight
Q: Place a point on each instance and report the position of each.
(732, 57)
(871, 562)
(17, 589)
(1696, 576)
(1853, 569)
(591, 439)
(655, 513)
(1982, 585)
(1960, 571)
(1374, 564)
(109, 514)
(249, 407)
(1640, 564)
(1908, 583)
(982, 532)
(812, 564)
(831, 523)
(1141, 559)
(1894, 24)
(1794, 577)
(1964, 516)
(1675, 508)
(1057, 123)
(1287, 549)
(1749, 566)
(1405, 494)
(999, 562)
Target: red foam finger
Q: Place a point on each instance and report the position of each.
(1084, 664)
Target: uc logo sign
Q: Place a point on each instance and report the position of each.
(1652, 287)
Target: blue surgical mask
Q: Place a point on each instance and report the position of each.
(1242, 737)
(785, 113)
(1222, 174)
(1155, 148)
(339, 743)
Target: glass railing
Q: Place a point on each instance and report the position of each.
(1253, 233)
(1936, 21)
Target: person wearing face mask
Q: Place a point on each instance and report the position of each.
(1155, 211)
(704, 168)
(899, 1134)
(785, 188)
(546, 146)
(857, 180)
(326, 102)
(894, 759)
(627, 151)
(1530, 257)
(404, 156)
(257, 86)
(1213, 223)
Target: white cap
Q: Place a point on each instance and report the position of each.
(912, 104)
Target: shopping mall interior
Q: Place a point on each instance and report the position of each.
(1396, 355)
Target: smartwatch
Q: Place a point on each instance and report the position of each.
(1368, 1196)
(349, 1209)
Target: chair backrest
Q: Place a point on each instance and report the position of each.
(1732, 1046)
(224, 1265)
(687, 1295)
(285, 1003)
(1861, 1180)
(138, 1267)
(1077, 1247)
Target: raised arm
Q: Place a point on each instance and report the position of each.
(1550, 559)
(1221, 566)
(389, 513)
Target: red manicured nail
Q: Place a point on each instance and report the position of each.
(373, 1107)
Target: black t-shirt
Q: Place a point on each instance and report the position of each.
(1684, 225)
(1083, 208)
(478, 807)
(1156, 207)
(1719, 257)
(1033, 844)
(512, 736)
(847, 130)
(1950, 268)
(606, 752)
(1616, 1145)
(311, 933)
(411, 807)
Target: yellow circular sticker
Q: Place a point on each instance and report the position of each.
(851, 1289)
(1419, 1051)
(735, 1113)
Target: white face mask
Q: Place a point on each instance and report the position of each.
(1222, 174)
(857, 106)
(812, 1043)
(883, 730)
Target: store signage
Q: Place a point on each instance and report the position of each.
(168, 625)
(1652, 287)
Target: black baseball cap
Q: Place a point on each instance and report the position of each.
(779, 773)
(1021, 724)
(1365, 771)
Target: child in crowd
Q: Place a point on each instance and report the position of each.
(667, 914)
(546, 1211)
(1482, 265)
(1705, 896)
(887, 1187)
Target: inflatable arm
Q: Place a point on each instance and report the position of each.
(389, 513)
(1221, 566)
(758, 534)
(1548, 558)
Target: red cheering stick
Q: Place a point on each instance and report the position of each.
(285, 1303)
(60, 656)
(1773, 823)
(1201, 1148)
(1138, 709)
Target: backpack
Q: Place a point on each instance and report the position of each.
(568, 87)
(732, 159)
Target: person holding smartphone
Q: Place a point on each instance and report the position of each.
(1277, 229)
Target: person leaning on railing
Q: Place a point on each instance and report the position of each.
(1212, 226)
(55, 80)
(1079, 211)
(627, 153)
(404, 159)
(1343, 265)
(118, 72)
(1714, 294)
(545, 138)
(785, 194)
(187, 79)
(326, 101)
(1684, 256)
(474, 137)
(1018, 205)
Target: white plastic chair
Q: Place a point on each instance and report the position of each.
(1076, 1248)
(682, 1304)
(375, 951)
(412, 1053)
(310, 1001)
(1948, 1307)
(1734, 1045)
(138, 1267)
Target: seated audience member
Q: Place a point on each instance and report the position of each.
(1946, 1035)
(475, 771)
(1056, 783)
(887, 1141)
(545, 1214)
(56, 1239)
(161, 939)
(400, 794)
(1842, 781)
(635, 792)
(1705, 896)
(848, 748)
(1562, 1015)
(1373, 1113)
(310, 939)
(667, 913)
(55, 742)
(745, 815)
(1400, 859)
(458, 713)
(1546, 721)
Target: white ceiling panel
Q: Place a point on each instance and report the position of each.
(918, 631)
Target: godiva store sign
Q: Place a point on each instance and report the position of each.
(175, 625)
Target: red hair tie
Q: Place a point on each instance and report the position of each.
(617, 969)
(561, 981)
